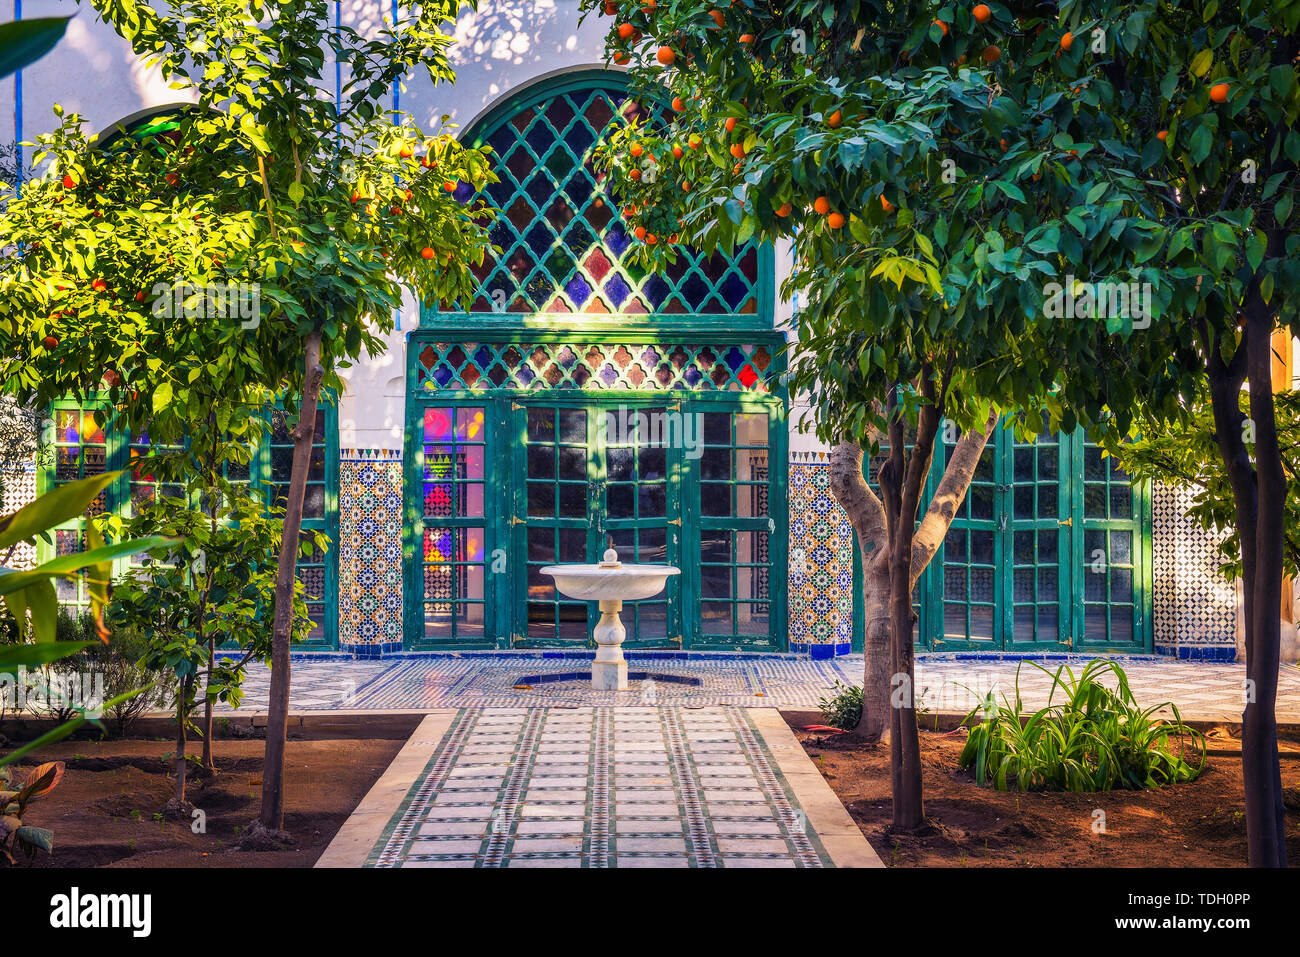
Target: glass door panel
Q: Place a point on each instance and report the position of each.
(971, 553)
(556, 521)
(1036, 541)
(1107, 554)
(452, 543)
(734, 481)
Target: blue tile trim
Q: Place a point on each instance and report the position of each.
(1026, 656)
(821, 651)
(1198, 652)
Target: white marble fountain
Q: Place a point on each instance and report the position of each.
(610, 583)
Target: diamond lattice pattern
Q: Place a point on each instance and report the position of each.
(563, 241)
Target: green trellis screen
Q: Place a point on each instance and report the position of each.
(562, 240)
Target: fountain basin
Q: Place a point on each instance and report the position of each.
(610, 583)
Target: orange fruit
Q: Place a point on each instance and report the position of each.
(718, 17)
(886, 204)
(942, 26)
(635, 174)
(639, 232)
(1162, 136)
(611, 8)
(621, 58)
(785, 210)
(735, 170)
(678, 104)
(822, 205)
(834, 120)
(406, 152)
(992, 53)
(677, 151)
(666, 56)
(449, 186)
(651, 239)
(69, 182)
(1219, 93)
(625, 30)
(1067, 40)
(1003, 143)
(981, 13)
(637, 149)
(693, 141)
(427, 253)
(747, 38)
(730, 124)
(686, 187)
(738, 150)
(835, 220)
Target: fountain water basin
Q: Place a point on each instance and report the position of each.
(610, 583)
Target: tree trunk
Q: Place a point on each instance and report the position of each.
(277, 719)
(182, 716)
(207, 711)
(1261, 772)
(866, 515)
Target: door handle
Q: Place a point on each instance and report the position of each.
(1068, 521)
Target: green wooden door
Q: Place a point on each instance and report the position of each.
(1049, 551)
(590, 474)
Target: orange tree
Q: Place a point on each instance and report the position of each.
(323, 206)
(957, 182)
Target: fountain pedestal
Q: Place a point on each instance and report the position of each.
(609, 670)
(610, 584)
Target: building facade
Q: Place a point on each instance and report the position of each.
(576, 402)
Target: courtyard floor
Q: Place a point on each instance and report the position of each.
(1202, 690)
(519, 763)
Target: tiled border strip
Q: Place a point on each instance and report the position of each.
(688, 791)
(370, 823)
(598, 802)
(795, 832)
(507, 809)
(389, 850)
(828, 822)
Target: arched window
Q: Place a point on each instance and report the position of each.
(562, 240)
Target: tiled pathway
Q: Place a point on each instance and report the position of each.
(1200, 689)
(601, 787)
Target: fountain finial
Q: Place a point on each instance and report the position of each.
(610, 558)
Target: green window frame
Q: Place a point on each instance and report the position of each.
(516, 530)
(1049, 551)
(71, 424)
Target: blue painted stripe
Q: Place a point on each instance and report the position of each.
(18, 109)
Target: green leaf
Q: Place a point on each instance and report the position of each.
(59, 505)
(26, 41)
(1202, 62)
(36, 837)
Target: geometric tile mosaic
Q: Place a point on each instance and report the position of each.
(18, 488)
(370, 548)
(1201, 689)
(1194, 605)
(599, 787)
(821, 559)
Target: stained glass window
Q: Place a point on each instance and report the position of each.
(735, 368)
(563, 241)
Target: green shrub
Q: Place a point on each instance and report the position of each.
(1096, 739)
(843, 709)
(119, 662)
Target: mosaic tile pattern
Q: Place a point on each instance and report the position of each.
(446, 681)
(586, 365)
(1194, 605)
(16, 490)
(1200, 689)
(599, 787)
(821, 559)
(370, 548)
